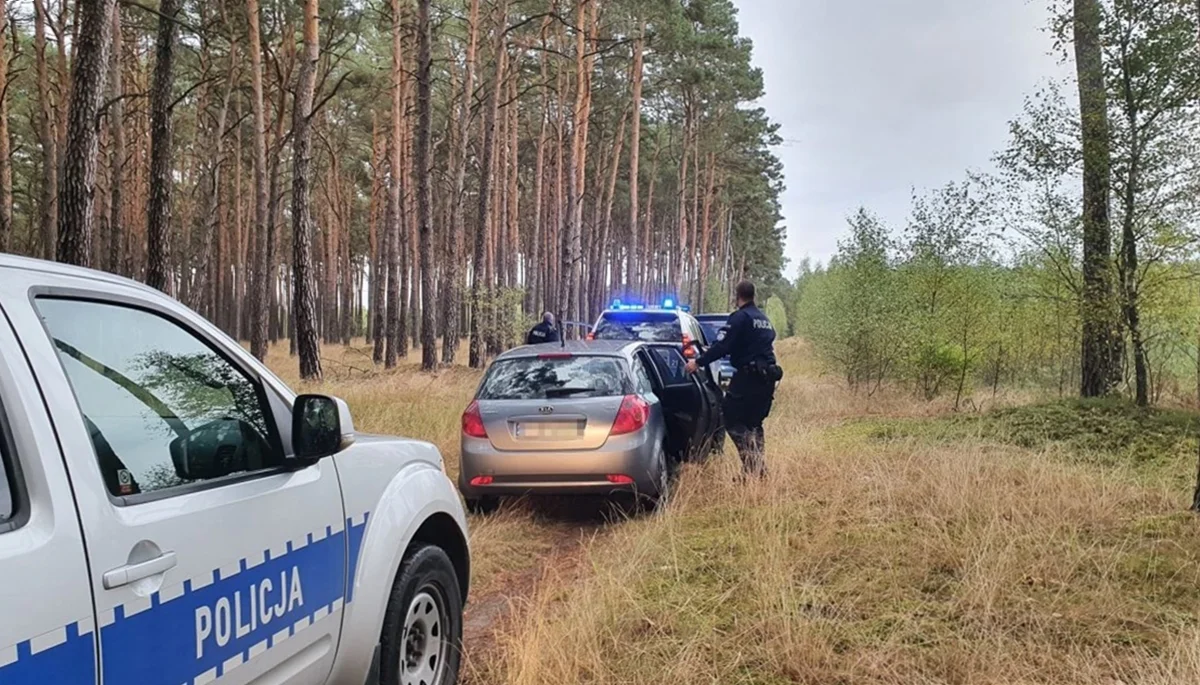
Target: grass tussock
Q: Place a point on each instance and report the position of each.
(957, 560)
(1034, 544)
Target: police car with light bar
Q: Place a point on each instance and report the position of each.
(667, 322)
(170, 512)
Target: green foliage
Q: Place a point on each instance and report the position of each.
(716, 299)
(1110, 431)
(777, 313)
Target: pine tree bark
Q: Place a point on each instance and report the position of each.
(480, 289)
(261, 271)
(570, 300)
(158, 215)
(116, 182)
(396, 314)
(77, 189)
(6, 191)
(308, 346)
(422, 168)
(1098, 372)
(47, 135)
(455, 272)
(635, 146)
(378, 248)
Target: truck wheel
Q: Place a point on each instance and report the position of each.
(422, 629)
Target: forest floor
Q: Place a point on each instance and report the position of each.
(895, 541)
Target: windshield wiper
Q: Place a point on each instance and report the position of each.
(566, 392)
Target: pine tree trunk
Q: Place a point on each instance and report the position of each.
(1098, 372)
(392, 248)
(608, 252)
(378, 253)
(706, 233)
(116, 182)
(262, 278)
(635, 147)
(571, 299)
(454, 278)
(6, 179)
(158, 215)
(396, 340)
(47, 134)
(514, 182)
(304, 302)
(422, 168)
(534, 270)
(480, 288)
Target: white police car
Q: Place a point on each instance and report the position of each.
(170, 512)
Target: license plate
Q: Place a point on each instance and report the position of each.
(548, 431)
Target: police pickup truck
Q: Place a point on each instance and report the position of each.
(170, 512)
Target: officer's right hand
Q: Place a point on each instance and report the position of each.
(692, 367)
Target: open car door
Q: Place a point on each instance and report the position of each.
(690, 409)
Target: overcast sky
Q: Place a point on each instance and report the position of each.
(877, 97)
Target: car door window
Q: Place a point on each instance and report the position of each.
(671, 365)
(642, 377)
(162, 408)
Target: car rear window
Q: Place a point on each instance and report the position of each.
(639, 325)
(712, 329)
(540, 378)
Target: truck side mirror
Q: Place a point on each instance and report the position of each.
(321, 426)
(217, 449)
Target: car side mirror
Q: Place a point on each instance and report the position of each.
(216, 449)
(321, 426)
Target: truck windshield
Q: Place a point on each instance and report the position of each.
(535, 378)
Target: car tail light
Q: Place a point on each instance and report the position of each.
(472, 422)
(482, 480)
(689, 351)
(633, 414)
(620, 479)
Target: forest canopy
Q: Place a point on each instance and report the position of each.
(487, 160)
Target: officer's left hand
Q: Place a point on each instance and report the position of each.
(692, 367)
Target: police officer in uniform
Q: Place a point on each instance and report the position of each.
(544, 332)
(749, 343)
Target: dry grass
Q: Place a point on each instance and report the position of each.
(860, 561)
(869, 556)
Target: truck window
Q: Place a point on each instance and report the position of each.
(8, 497)
(162, 407)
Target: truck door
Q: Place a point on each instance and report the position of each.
(47, 624)
(210, 557)
(686, 405)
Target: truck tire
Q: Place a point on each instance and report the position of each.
(421, 642)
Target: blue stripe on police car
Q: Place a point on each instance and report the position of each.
(198, 630)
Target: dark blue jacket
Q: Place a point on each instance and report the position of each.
(542, 333)
(749, 337)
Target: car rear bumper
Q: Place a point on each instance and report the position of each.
(583, 472)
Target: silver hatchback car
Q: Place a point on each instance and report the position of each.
(596, 418)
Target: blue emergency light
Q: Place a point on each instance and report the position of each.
(622, 307)
(668, 303)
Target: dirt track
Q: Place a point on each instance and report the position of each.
(569, 527)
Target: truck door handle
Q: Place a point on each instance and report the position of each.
(131, 573)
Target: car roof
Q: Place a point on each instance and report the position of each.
(679, 313)
(10, 261)
(583, 348)
(711, 317)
